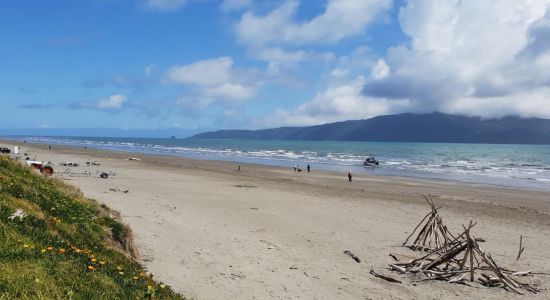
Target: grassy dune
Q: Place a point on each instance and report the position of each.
(65, 246)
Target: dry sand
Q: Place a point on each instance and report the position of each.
(268, 232)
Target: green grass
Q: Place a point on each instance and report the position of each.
(66, 246)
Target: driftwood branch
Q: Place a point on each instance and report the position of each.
(387, 278)
(521, 248)
(357, 259)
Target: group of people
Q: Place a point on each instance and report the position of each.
(297, 168)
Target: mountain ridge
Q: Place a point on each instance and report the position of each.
(407, 127)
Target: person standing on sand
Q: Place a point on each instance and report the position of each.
(239, 168)
(349, 176)
(308, 168)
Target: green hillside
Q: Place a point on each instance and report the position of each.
(54, 243)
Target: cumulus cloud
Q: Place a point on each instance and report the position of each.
(380, 70)
(340, 19)
(342, 101)
(215, 79)
(205, 72)
(112, 102)
(231, 91)
(163, 5)
(484, 58)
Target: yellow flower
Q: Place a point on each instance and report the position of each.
(135, 278)
(93, 260)
(121, 273)
(50, 248)
(61, 251)
(149, 287)
(119, 268)
(91, 268)
(162, 286)
(43, 250)
(26, 246)
(77, 250)
(142, 274)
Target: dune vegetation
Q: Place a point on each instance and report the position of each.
(55, 243)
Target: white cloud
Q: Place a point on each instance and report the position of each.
(230, 91)
(485, 58)
(279, 60)
(114, 102)
(338, 102)
(341, 19)
(380, 70)
(205, 72)
(234, 5)
(163, 5)
(215, 81)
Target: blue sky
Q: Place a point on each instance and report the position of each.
(205, 64)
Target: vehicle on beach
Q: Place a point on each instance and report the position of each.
(44, 167)
(5, 150)
(68, 164)
(370, 161)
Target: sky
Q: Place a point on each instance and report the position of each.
(196, 65)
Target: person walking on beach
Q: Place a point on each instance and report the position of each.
(349, 176)
(239, 168)
(308, 168)
(295, 167)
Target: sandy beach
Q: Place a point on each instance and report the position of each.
(270, 233)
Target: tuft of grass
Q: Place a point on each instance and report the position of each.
(66, 246)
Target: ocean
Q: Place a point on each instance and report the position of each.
(526, 166)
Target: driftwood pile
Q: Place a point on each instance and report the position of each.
(434, 234)
(453, 259)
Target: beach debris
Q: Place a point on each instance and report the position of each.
(118, 190)
(101, 174)
(350, 254)
(92, 163)
(5, 150)
(463, 257)
(19, 213)
(133, 158)
(387, 278)
(244, 186)
(433, 233)
(521, 248)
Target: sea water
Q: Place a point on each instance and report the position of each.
(508, 165)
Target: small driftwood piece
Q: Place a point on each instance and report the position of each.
(387, 278)
(521, 248)
(357, 259)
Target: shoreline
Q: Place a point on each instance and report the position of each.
(475, 181)
(267, 232)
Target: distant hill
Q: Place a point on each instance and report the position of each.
(429, 128)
